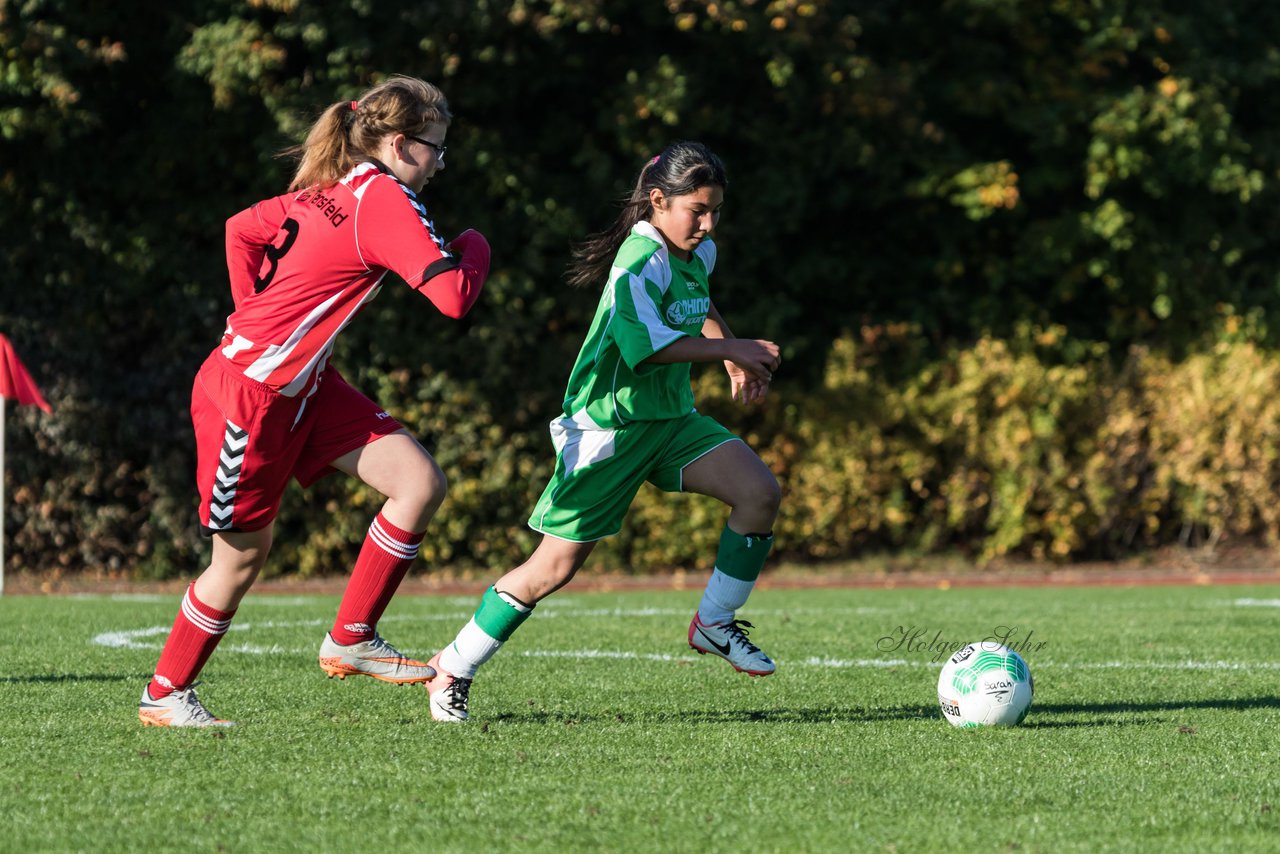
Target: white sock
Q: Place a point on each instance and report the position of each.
(722, 598)
(470, 649)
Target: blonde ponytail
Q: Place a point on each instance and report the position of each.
(350, 132)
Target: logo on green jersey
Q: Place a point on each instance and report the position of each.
(686, 311)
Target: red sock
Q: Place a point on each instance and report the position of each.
(196, 631)
(384, 560)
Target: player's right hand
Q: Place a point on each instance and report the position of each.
(469, 241)
(756, 357)
(473, 251)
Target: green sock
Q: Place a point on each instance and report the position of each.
(500, 614)
(738, 564)
(497, 618)
(742, 556)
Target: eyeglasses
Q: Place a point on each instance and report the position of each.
(434, 146)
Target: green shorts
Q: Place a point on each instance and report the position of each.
(599, 472)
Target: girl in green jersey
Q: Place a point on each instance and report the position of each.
(629, 417)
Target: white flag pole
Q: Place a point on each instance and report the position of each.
(1, 495)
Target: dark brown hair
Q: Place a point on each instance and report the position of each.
(681, 168)
(350, 131)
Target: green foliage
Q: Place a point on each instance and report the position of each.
(962, 173)
(1213, 423)
(1033, 448)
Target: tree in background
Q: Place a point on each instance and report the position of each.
(950, 170)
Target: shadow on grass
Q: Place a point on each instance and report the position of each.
(1110, 713)
(817, 715)
(1098, 714)
(70, 677)
(1166, 706)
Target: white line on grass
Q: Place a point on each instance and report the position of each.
(1163, 665)
(1066, 665)
(122, 597)
(129, 639)
(816, 661)
(641, 656)
(613, 612)
(133, 640)
(887, 663)
(152, 638)
(1258, 603)
(575, 610)
(603, 653)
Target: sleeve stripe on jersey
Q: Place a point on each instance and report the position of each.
(707, 252)
(659, 269)
(615, 274)
(422, 215)
(660, 335)
(435, 268)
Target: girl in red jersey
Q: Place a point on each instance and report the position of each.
(266, 406)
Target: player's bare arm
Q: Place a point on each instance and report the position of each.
(749, 363)
(757, 357)
(743, 387)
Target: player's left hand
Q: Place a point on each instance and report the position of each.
(745, 388)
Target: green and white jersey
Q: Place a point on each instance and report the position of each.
(651, 300)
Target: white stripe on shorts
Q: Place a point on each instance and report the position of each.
(579, 448)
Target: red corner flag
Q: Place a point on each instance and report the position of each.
(15, 382)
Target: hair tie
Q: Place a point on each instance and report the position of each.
(656, 158)
(354, 104)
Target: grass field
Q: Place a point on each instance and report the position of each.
(1154, 728)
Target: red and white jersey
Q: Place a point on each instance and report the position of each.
(303, 264)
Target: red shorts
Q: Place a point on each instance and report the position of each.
(250, 440)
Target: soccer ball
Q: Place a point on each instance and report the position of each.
(985, 684)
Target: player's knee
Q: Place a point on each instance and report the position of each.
(564, 570)
(771, 495)
(763, 499)
(555, 572)
(242, 553)
(423, 487)
(435, 486)
(232, 571)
